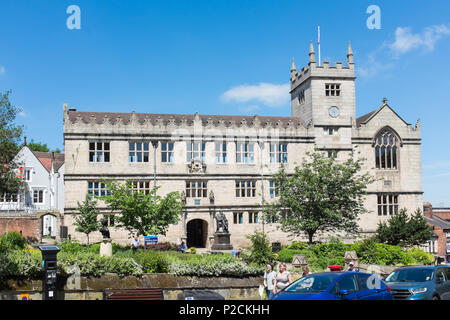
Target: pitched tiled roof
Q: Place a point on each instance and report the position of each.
(46, 159)
(364, 118)
(154, 117)
(441, 223)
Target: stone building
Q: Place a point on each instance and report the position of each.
(37, 210)
(224, 163)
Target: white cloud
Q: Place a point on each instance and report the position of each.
(272, 95)
(249, 108)
(406, 41)
(372, 66)
(2, 70)
(22, 114)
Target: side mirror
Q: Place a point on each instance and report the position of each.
(343, 292)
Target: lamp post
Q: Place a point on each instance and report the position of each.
(261, 148)
(183, 199)
(155, 145)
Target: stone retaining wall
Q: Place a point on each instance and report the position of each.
(91, 288)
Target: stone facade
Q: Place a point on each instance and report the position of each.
(314, 123)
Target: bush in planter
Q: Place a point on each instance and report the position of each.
(212, 266)
(152, 261)
(92, 264)
(20, 264)
(12, 240)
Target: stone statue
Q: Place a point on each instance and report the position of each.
(222, 222)
(104, 228)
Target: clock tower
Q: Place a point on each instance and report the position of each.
(324, 96)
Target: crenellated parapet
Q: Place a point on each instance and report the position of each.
(326, 70)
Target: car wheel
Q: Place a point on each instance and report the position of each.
(435, 298)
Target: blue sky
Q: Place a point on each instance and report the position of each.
(225, 57)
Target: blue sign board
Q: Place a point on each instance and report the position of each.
(150, 239)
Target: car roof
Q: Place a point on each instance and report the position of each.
(424, 267)
(339, 273)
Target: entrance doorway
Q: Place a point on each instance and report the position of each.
(49, 226)
(197, 232)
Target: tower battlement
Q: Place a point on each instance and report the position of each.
(326, 70)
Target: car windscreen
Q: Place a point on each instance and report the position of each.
(410, 275)
(312, 284)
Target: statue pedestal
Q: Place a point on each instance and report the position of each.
(222, 241)
(106, 248)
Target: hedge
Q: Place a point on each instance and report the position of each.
(319, 256)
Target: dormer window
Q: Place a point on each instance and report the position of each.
(332, 89)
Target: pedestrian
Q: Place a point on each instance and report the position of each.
(182, 247)
(306, 271)
(351, 266)
(237, 253)
(282, 279)
(269, 279)
(135, 243)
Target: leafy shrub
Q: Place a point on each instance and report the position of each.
(92, 264)
(260, 251)
(152, 261)
(286, 255)
(297, 245)
(165, 246)
(213, 265)
(371, 252)
(420, 256)
(71, 246)
(12, 240)
(20, 264)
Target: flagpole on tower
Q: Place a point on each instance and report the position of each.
(318, 42)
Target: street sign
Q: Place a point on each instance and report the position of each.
(150, 239)
(25, 296)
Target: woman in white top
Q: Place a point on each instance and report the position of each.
(282, 279)
(269, 278)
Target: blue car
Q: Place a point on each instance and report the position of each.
(420, 283)
(336, 286)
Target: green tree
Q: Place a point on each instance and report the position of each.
(140, 213)
(260, 251)
(10, 134)
(322, 194)
(42, 147)
(38, 146)
(86, 222)
(403, 230)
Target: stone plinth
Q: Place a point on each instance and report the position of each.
(106, 248)
(222, 241)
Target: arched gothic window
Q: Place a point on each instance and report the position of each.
(386, 150)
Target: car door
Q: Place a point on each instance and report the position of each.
(346, 282)
(446, 290)
(370, 287)
(441, 283)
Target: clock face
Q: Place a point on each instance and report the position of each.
(333, 112)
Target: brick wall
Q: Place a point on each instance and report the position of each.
(28, 225)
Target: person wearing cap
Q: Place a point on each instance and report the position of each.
(351, 266)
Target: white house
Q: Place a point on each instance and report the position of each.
(42, 197)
